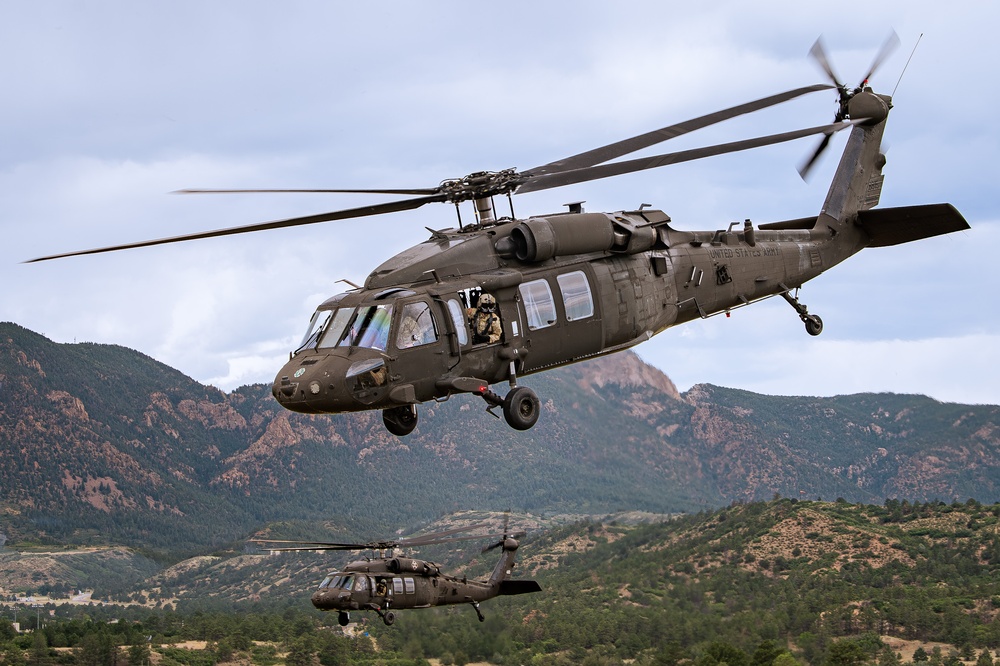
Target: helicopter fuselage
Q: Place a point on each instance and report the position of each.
(575, 285)
(387, 584)
(369, 584)
(361, 352)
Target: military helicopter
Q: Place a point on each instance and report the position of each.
(503, 297)
(386, 583)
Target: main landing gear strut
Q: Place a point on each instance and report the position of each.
(520, 407)
(814, 325)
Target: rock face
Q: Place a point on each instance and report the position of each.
(102, 443)
(626, 370)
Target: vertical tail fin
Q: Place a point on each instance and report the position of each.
(502, 570)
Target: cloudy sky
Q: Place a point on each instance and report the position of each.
(109, 106)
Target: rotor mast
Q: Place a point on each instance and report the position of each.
(484, 209)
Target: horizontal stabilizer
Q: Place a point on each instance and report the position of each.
(892, 226)
(519, 586)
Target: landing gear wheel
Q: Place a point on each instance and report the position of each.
(343, 618)
(389, 618)
(400, 421)
(814, 325)
(521, 408)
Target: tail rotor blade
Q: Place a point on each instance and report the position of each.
(891, 44)
(807, 166)
(818, 53)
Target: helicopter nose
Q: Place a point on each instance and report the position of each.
(312, 384)
(330, 383)
(323, 599)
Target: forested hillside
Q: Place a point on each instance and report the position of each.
(775, 583)
(100, 444)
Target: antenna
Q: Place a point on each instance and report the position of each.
(907, 63)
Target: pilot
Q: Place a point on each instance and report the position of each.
(416, 327)
(409, 333)
(485, 321)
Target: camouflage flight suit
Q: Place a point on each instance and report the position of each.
(485, 322)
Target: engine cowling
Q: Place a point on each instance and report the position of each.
(541, 238)
(400, 565)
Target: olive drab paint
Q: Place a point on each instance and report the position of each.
(390, 582)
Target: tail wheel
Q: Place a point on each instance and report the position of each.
(400, 421)
(521, 408)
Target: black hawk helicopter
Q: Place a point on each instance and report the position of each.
(387, 583)
(501, 298)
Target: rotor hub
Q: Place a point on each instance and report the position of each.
(480, 185)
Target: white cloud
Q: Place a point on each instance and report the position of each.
(111, 106)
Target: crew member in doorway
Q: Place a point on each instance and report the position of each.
(485, 322)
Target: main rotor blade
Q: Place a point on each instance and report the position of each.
(618, 168)
(406, 543)
(891, 44)
(439, 535)
(363, 211)
(309, 545)
(626, 146)
(412, 191)
(421, 540)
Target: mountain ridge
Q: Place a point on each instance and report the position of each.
(100, 443)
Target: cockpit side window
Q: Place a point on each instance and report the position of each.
(348, 582)
(416, 326)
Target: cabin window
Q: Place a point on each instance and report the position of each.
(577, 301)
(538, 304)
(397, 585)
(416, 326)
(458, 319)
(410, 586)
(333, 329)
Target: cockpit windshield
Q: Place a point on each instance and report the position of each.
(364, 326)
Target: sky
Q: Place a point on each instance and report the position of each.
(110, 106)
